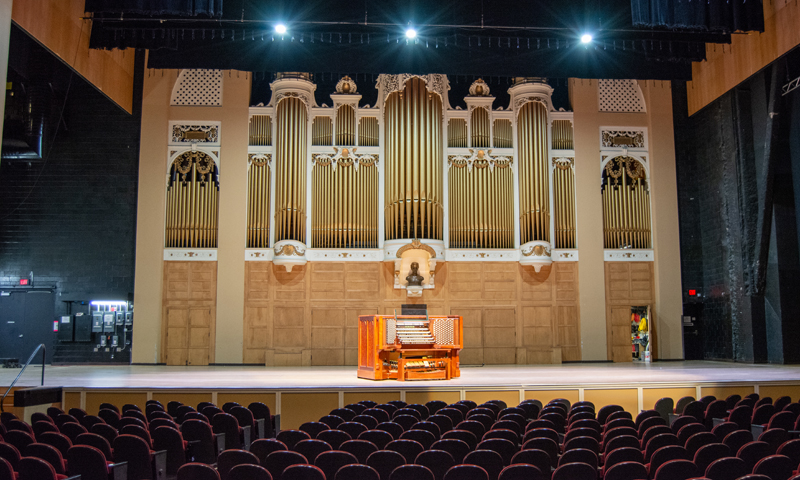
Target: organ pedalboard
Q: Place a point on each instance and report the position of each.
(409, 347)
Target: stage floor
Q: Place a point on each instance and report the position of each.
(586, 375)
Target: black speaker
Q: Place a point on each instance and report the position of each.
(65, 328)
(83, 327)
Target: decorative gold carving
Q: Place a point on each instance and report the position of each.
(195, 133)
(259, 159)
(289, 250)
(619, 138)
(479, 88)
(346, 86)
(563, 163)
(416, 245)
(536, 251)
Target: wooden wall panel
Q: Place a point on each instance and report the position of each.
(189, 306)
(627, 284)
(310, 316)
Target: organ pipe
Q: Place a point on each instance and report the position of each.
(260, 130)
(480, 128)
(192, 191)
(321, 131)
(481, 203)
(344, 212)
(290, 172)
(457, 133)
(503, 133)
(413, 188)
(564, 205)
(626, 204)
(534, 187)
(345, 125)
(258, 190)
(368, 135)
(562, 135)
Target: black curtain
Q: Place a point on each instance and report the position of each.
(711, 15)
(211, 8)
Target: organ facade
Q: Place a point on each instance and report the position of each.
(304, 216)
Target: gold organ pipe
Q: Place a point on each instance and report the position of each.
(321, 130)
(368, 132)
(344, 215)
(457, 133)
(345, 125)
(258, 206)
(480, 128)
(260, 132)
(481, 207)
(562, 135)
(534, 182)
(291, 165)
(503, 133)
(414, 153)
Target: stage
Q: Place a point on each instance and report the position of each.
(305, 393)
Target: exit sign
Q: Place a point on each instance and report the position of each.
(23, 281)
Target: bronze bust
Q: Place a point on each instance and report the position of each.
(414, 279)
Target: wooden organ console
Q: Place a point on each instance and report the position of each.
(409, 347)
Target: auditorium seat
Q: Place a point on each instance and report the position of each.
(231, 458)
(330, 462)
(698, 440)
(277, 461)
(384, 461)
(727, 468)
(205, 448)
(622, 455)
(458, 449)
(335, 438)
(357, 472)
(437, 461)
(354, 429)
(98, 442)
(366, 420)
(423, 437)
(579, 455)
(430, 427)
(791, 449)
(667, 454)
(291, 437)
(49, 454)
(405, 421)
(775, 437)
(19, 439)
(361, 449)
(249, 472)
(106, 431)
(677, 470)
(407, 448)
(776, 467)
(170, 440)
(378, 437)
(548, 445)
(197, 471)
(489, 460)
(504, 447)
(626, 471)
(264, 446)
(310, 448)
(41, 427)
(575, 471)
(143, 463)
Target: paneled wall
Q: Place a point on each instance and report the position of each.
(190, 313)
(511, 314)
(628, 284)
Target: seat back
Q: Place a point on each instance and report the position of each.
(171, 441)
(361, 449)
(302, 472)
(354, 429)
(384, 461)
(407, 448)
(196, 430)
(6, 472)
(330, 462)
(458, 449)
(227, 424)
(579, 455)
(709, 453)
(437, 461)
(10, 453)
(310, 448)
(489, 460)
(88, 462)
(575, 471)
(727, 468)
(626, 471)
(135, 451)
(357, 472)
(32, 468)
(19, 439)
(249, 472)
(197, 471)
(378, 437)
(58, 440)
(276, 462)
(98, 442)
(334, 438)
(49, 454)
(466, 472)
(264, 446)
(676, 470)
(753, 452)
(776, 467)
(231, 458)
(411, 472)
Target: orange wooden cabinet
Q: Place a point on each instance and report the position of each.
(409, 347)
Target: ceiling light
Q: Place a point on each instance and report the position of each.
(411, 33)
(280, 28)
(586, 38)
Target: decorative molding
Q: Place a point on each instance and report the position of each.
(479, 158)
(479, 88)
(628, 255)
(537, 254)
(258, 255)
(344, 157)
(474, 255)
(633, 138)
(620, 95)
(190, 254)
(289, 254)
(182, 133)
(563, 163)
(565, 255)
(197, 88)
(349, 255)
(434, 82)
(390, 248)
(346, 86)
(520, 101)
(259, 159)
(415, 245)
(302, 96)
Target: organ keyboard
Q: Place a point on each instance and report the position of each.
(409, 347)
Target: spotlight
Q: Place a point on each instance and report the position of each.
(280, 28)
(586, 38)
(411, 33)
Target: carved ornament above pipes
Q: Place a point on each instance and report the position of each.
(479, 158)
(344, 157)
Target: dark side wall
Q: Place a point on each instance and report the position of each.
(735, 195)
(71, 217)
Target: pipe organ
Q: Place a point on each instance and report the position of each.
(562, 135)
(626, 204)
(368, 135)
(457, 133)
(260, 130)
(534, 181)
(321, 131)
(414, 151)
(503, 134)
(258, 201)
(290, 174)
(564, 202)
(345, 125)
(481, 131)
(192, 193)
(344, 213)
(481, 194)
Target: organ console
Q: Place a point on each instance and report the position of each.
(409, 347)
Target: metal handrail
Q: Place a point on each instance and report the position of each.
(44, 355)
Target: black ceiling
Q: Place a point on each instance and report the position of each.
(459, 37)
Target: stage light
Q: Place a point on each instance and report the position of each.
(586, 38)
(411, 33)
(106, 303)
(280, 28)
